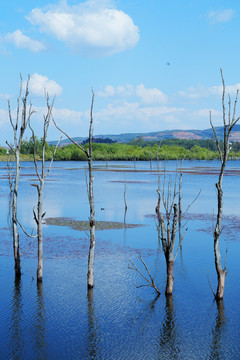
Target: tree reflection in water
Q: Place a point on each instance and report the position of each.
(16, 334)
(168, 340)
(39, 325)
(217, 343)
(93, 348)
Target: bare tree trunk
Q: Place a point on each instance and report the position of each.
(88, 153)
(19, 126)
(42, 174)
(92, 226)
(169, 254)
(40, 235)
(170, 278)
(168, 235)
(228, 126)
(221, 274)
(17, 262)
(91, 204)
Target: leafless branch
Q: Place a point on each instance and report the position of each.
(185, 212)
(54, 153)
(150, 282)
(216, 138)
(225, 264)
(24, 252)
(11, 147)
(211, 287)
(180, 243)
(71, 139)
(25, 232)
(223, 98)
(10, 180)
(34, 152)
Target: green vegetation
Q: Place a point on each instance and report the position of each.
(137, 149)
(3, 151)
(118, 151)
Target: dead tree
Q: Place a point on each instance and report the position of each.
(19, 125)
(168, 196)
(42, 173)
(88, 153)
(229, 121)
(168, 234)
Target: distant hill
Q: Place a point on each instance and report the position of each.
(160, 135)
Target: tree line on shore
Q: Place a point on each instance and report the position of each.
(169, 149)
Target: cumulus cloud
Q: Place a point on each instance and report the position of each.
(132, 117)
(22, 41)
(39, 84)
(204, 92)
(93, 28)
(134, 111)
(123, 91)
(151, 96)
(220, 16)
(193, 92)
(230, 89)
(148, 96)
(68, 115)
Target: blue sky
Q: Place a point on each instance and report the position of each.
(153, 64)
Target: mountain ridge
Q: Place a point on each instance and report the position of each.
(162, 135)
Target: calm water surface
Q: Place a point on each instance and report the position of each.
(60, 320)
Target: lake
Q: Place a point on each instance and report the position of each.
(61, 320)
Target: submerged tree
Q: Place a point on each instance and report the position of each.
(229, 121)
(41, 175)
(167, 195)
(168, 226)
(168, 232)
(19, 125)
(88, 153)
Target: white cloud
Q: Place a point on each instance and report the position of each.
(132, 117)
(148, 96)
(93, 28)
(193, 92)
(230, 89)
(201, 118)
(67, 115)
(220, 16)
(5, 96)
(205, 113)
(22, 41)
(204, 92)
(151, 96)
(4, 119)
(134, 111)
(39, 83)
(123, 91)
